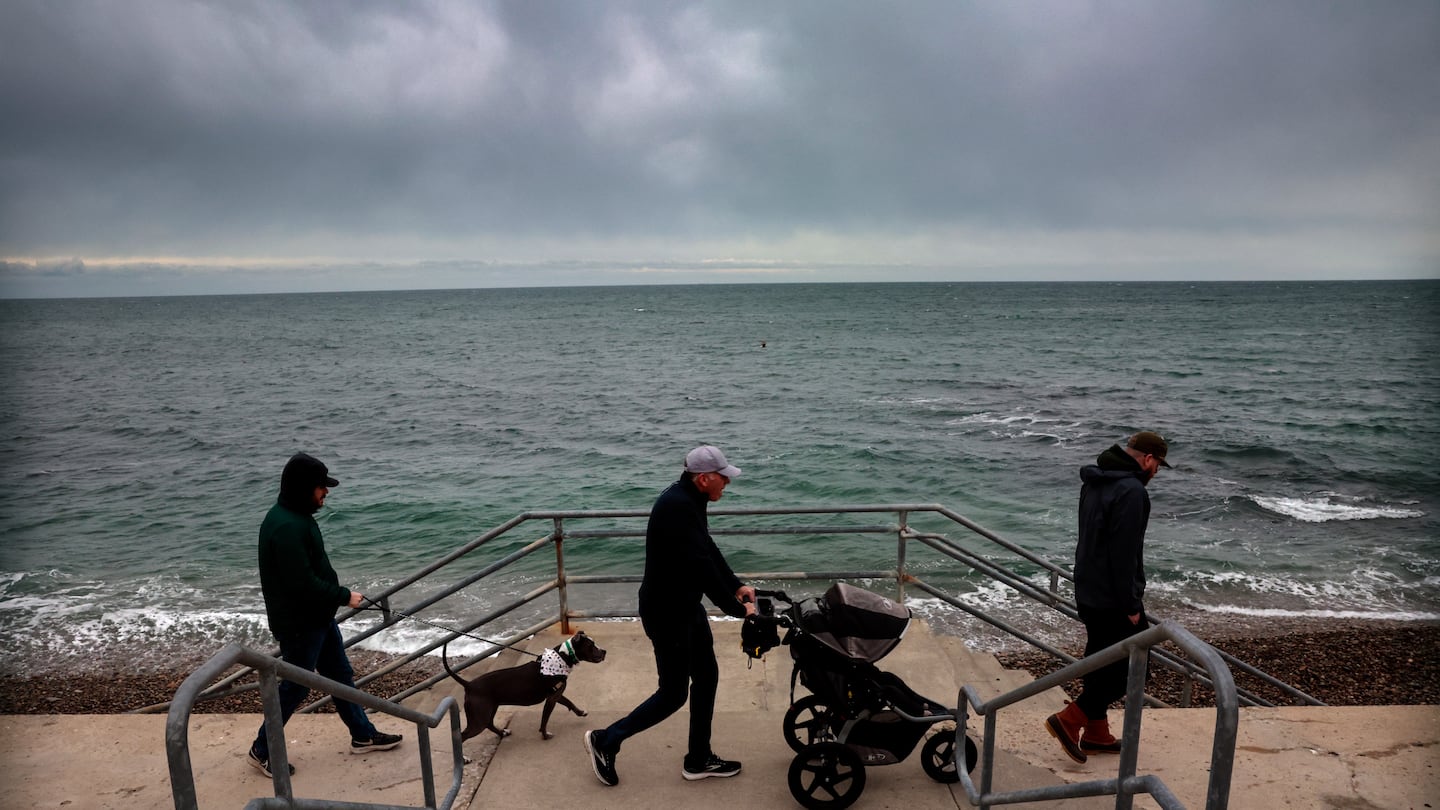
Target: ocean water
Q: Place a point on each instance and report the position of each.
(143, 438)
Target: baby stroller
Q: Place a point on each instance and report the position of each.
(856, 714)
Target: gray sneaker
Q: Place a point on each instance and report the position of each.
(601, 761)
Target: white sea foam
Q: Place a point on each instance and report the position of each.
(1326, 507)
(1023, 425)
(1359, 588)
(406, 637)
(1285, 613)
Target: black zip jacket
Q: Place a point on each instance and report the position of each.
(1114, 511)
(682, 562)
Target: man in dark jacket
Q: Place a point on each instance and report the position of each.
(682, 563)
(1109, 582)
(302, 593)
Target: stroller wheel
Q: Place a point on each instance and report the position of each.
(938, 757)
(807, 721)
(827, 775)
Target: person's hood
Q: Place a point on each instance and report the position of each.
(1112, 465)
(303, 473)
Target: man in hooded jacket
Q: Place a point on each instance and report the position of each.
(302, 593)
(1109, 582)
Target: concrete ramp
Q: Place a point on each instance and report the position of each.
(748, 726)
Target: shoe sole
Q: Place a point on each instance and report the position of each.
(1071, 749)
(1099, 749)
(695, 777)
(595, 766)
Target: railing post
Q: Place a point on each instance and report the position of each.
(900, 557)
(559, 538)
(275, 733)
(1130, 732)
(427, 767)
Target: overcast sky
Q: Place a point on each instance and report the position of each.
(170, 146)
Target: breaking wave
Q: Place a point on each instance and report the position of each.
(1330, 507)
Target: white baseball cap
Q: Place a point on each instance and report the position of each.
(709, 459)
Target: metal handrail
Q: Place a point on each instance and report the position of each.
(558, 532)
(1127, 783)
(270, 669)
(1068, 608)
(177, 730)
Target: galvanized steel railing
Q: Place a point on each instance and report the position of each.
(560, 530)
(271, 670)
(1127, 783)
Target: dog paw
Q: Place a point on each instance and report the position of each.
(504, 732)
(581, 713)
(547, 735)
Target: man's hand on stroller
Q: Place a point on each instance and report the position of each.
(745, 595)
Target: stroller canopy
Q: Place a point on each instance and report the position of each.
(857, 623)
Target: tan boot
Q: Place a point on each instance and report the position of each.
(1067, 726)
(1098, 739)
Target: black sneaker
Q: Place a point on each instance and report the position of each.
(602, 762)
(380, 742)
(713, 766)
(263, 765)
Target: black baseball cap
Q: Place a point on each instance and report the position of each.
(1151, 443)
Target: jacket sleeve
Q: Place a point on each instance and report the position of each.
(721, 582)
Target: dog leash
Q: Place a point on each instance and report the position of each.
(384, 607)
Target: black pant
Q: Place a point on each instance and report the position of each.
(321, 650)
(1106, 685)
(685, 663)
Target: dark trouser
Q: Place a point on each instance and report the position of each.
(1107, 684)
(321, 650)
(685, 663)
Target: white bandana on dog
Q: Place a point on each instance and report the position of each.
(552, 664)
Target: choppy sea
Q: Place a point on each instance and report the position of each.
(143, 438)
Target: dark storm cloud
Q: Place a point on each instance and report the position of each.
(411, 130)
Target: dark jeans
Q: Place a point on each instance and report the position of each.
(321, 650)
(1107, 684)
(685, 663)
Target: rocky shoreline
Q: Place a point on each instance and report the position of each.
(1339, 663)
(119, 693)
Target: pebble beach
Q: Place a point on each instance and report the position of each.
(1337, 662)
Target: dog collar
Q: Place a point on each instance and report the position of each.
(552, 663)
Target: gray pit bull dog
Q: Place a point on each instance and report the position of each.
(525, 685)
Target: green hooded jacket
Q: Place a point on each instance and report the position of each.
(302, 591)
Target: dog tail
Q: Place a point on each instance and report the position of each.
(445, 660)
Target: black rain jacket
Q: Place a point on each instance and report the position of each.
(1114, 511)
